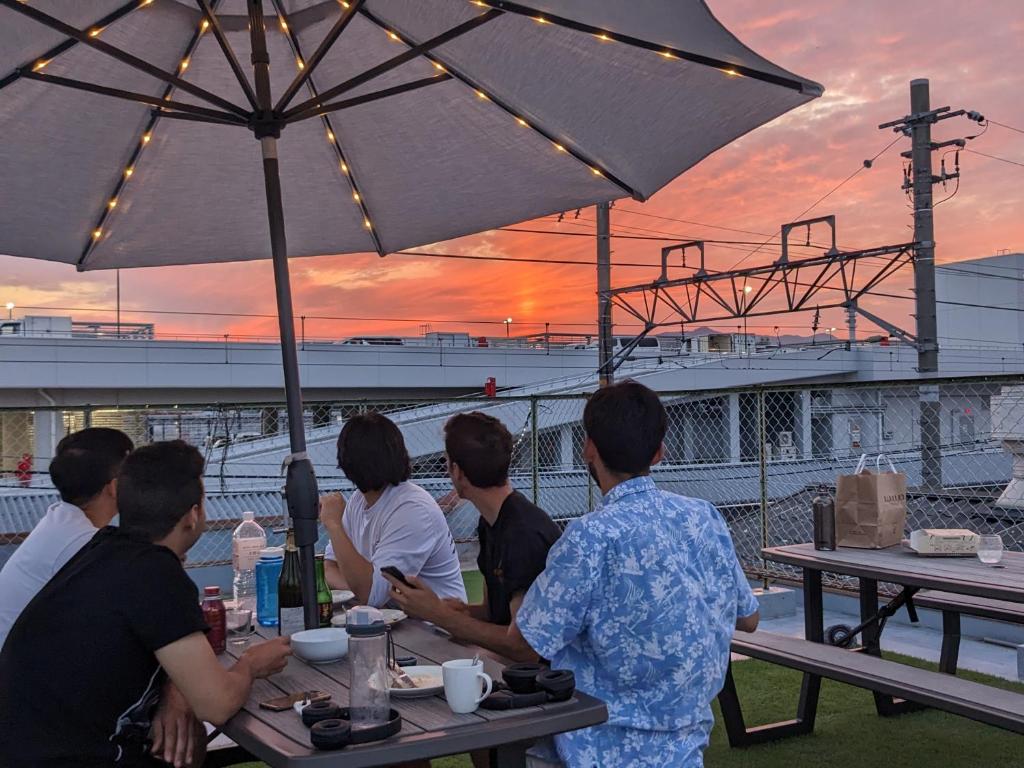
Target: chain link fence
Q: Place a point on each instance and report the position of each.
(760, 455)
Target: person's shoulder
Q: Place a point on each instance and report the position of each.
(687, 503)
(525, 514)
(408, 492)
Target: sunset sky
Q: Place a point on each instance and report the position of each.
(864, 52)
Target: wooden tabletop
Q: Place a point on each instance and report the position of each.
(963, 575)
(429, 728)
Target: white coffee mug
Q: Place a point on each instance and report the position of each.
(462, 685)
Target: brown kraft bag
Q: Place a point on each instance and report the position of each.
(871, 507)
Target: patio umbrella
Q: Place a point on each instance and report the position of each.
(159, 132)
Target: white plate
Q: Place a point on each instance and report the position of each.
(428, 690)
(391, 616)
(342, 596)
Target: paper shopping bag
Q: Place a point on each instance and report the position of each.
(871, 507)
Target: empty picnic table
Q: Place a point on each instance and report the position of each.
(429, 728)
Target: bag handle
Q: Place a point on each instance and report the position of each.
(860, 464)
(878, 463)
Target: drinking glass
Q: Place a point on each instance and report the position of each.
(240, 628)
(990, 549)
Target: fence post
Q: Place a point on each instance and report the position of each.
(762, 471)
(533, 449)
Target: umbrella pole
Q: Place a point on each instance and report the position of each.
(300, 482)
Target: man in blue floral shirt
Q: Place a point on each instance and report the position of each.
(639, 598)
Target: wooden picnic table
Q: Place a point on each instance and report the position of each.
(429, 728)
(896, 565)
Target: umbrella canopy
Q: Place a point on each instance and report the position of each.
(127, 130)
(480, 115)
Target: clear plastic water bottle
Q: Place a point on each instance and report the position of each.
(248, 540)
(268, 571)
(369, 700)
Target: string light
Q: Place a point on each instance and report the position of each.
(541, 20)
(355, 196)
(144, 3)
(482, 95)
(39, 65)
(522, 122)
(559, 147)
(438, 67)
(366, 223)
(146, 137)
(112, 204)
(184, 64)
(603, 37)
(129, 171)
(393, 36)
(596, 172)
(96, 233)
(205, 25)
(299, 63)
(667, 54)
(344, 167)
(330, 136)
(732, 73)
(95, 32)
(284, 25)
(344, 3)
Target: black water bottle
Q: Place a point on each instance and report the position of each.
(824, 512)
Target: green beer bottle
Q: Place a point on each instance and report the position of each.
(324, 602)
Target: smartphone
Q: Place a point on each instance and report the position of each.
(394, 573)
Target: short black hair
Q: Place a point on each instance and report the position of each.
(627, 423)
(481, 446)
(372, 453)
(86, 461)
(159, 483)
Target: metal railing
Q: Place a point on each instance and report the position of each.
(759, 454)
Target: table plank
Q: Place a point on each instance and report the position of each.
(966, 576)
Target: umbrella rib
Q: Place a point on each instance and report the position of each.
(392, 63)
(68, 44)
(559, 144)
(139, 98)
(365, 98)
(722, 65)
(229, 53)
(334, 139)
(147, 135)
(318, 55)
(122, 56)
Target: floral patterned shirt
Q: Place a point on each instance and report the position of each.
(640, 599)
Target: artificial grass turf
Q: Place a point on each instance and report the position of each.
(848, 733)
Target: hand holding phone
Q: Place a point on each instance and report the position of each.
(394, 573)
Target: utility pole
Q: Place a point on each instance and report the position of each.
(604, 299)
(924, 283)
(918, 127)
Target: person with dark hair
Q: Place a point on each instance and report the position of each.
(90, 654)
(388, 521)
(640, 598)
(514, 533)
(84, 471)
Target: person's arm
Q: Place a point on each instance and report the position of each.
(748, 623)
(747, 606)
(214, 693)
(354, 570)
(420, 602)
(175, 729)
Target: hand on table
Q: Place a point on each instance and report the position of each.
(417, 600)
(332, 511)
(268, 658)
(174, 729)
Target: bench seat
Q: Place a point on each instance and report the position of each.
(994, 706)
(968, 605)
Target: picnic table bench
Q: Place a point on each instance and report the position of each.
(958, 586)
(429, 728)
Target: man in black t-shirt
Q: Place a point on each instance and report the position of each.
(515, 536)
(84, 664)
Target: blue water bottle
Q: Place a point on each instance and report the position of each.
(268, 570)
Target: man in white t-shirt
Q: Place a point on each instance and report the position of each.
(389, 521)
(84, 471)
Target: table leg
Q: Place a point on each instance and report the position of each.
(950, 642)
(871, 642)
(510, 755)
(814, 612)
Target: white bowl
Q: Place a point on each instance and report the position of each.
(324, 644)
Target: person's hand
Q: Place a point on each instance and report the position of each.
(418, 600)
(268, 658)
(332, 511)
(173, 730)
(449, 502)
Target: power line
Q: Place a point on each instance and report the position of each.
(1004, 125)
(823, 198)
(994, 157)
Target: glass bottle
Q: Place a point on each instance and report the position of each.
(369, 698)
(324, 601)
(290, 616)
(216, 619)
(823, 509)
